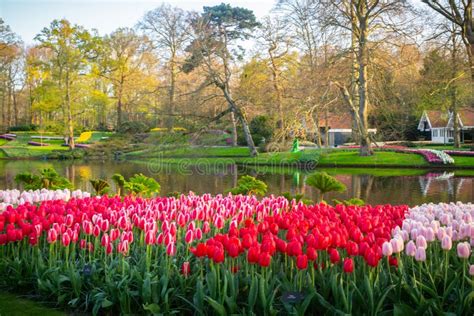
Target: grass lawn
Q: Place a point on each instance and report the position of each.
(220, 156)
(380, 158)
(463, 161)
(191, 152)
(13, 305)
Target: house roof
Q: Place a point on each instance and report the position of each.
(467, 117)
(336, 120)
(438, 118)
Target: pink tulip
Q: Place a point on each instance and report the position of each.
(96, 231)
(421, 242)
(410, 249)
(198, 233)
(52, 236)
(206, 227)
(66, 239)
(123, 247)
(87, 227)
(446, 243)
(150, 237)
(420, 254)
(83, 244)
(397, 244)
(464, 250)
(109, 248)
(471, 270)
(69, 220)
(387, 249)
(171, 249)
(189, 237)
(105, 240)
(441, 233)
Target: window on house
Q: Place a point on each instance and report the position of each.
(435, 133)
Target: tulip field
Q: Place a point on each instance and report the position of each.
(235, 254)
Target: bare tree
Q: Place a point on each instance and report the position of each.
(168, 29)
(274, 39)
(363, 19)
(459, 12)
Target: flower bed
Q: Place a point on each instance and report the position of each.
(17, 197)
(236, 255)
(32, 143)
(432, 156)
(7, 137)
(463, 153)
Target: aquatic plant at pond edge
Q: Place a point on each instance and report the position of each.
(249, 185)
(324, 183)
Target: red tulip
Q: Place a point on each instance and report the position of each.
(393, 261)
(218, 256)
(264, 259)
(201, 250)
(348, 265)
(352, 248)
(253, 254)
(302, 262)
(334, 256)
(312, 253)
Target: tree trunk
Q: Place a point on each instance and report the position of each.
(354, 79)
(276, 87)
(119, 108)
(454, 107)
(365, 147)
(171, 106)
(317, 129)
(69, 114)
(234, 128)
(471, 59)
(239, 115)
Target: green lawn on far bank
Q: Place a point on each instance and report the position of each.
(310, 157)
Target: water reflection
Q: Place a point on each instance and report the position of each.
(376, 186)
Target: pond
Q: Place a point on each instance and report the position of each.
(376, 186)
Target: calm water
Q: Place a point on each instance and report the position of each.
(376, 186)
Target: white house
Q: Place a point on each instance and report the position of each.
(440, 125)
(339, 128)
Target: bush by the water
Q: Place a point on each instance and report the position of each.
(23, 128)
(133, 127)
(262, 129)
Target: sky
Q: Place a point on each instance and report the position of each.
(28, 17)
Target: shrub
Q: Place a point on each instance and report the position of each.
(325, 183)
(249, 185)
(142, 186)
(24, 128)
(133, 127)
(261, 127)
(48, 178)
(100, 186)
